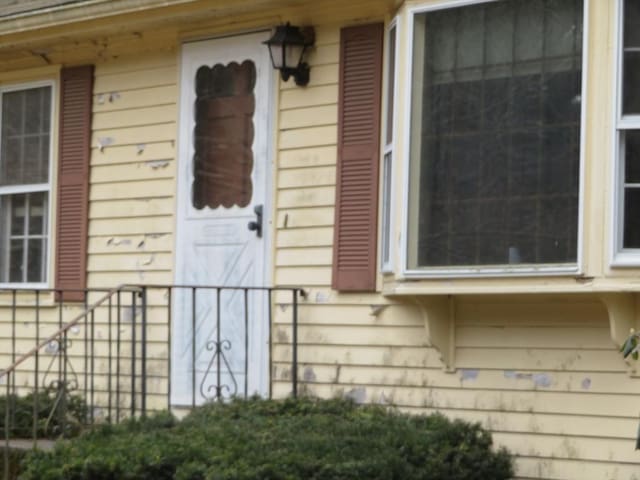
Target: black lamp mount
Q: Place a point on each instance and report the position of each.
(287, 47)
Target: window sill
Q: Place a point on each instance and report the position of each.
(626, 259)
(509, 286)
(494, 272)
(24, 286)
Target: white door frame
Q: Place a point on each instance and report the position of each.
(265, 118)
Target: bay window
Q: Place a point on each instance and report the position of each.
(496, 99)
(25, 144)
(627, 236)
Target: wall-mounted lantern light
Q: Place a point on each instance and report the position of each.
(287, 47)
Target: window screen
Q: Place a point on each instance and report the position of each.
(495, 134)
(25, 141)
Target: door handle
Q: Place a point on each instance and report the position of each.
(256, 225)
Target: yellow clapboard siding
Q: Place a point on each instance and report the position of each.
(534, 337)
(546, 446)
(308, 137)
(359, 355)
(324, 54)
(141, 261)
(307, 237)
(308, 177)
(314, 96)
(130, 243)
(139, 189)
(128, 277)
(305, 217)
(535, 423)
(152, 77)
(540, 314)
(129, 100)
(318, 310)
(562, 469)
(494, 401)
(307, 197)
(309, 117)
(134, 117)
(102, 209)
(540, 359)
(303, 257)
(131, 226)
(350, 336)
(507, 380)
(147, 170)
(303, 276)
(122, 155)
(320, 75)
(326, 296)
(308, 157)
(327, 34)
(135, 135)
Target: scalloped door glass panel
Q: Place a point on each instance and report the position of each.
(223, 135)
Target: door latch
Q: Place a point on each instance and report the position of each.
(256, 225)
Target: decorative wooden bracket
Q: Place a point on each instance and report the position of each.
(439, 314)
(624, 313)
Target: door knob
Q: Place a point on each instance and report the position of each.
(256, 225)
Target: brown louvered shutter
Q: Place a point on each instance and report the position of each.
(76, 88)
(354, 256)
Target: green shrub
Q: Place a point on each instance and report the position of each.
(58, 414)
(277, 440)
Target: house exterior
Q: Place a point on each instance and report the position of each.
(455, 190)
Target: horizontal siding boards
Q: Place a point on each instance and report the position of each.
(541, 374)
(354, 263)
(133, 177)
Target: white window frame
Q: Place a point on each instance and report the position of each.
(620, 256)
(574, 269)
(387, 206)
(42, 187)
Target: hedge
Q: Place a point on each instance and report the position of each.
(277, 440)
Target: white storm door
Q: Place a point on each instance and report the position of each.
(222, 183)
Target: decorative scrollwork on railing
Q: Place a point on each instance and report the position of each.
(218, 358)
(60, 380)
(67, 376)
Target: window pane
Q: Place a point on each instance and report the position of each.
(631, 80)
(391, 77)
(24, 149)
(16, 255)
(495, 146)
(23, 237)
(386, 209)
(632, 156)
(37, 213)
(34, 260)
(631, 218)
(17, 204)
(631, 22)
(223, 159)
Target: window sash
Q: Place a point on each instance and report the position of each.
(391, 45)
(11, 190)
(411, 180)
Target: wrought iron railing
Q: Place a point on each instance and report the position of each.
(125, 351)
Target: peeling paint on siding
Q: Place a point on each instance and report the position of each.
(468, 374)
(115, 241)
(155, 164)
(309, 375)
